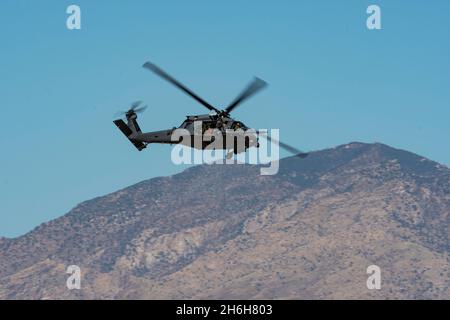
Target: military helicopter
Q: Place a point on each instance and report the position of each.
(218, 120)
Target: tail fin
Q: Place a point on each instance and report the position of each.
(126, 130)
(132, 123)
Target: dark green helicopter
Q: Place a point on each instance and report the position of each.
(215, 120)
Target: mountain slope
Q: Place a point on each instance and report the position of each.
(227, 232)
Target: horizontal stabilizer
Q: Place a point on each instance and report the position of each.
(127, 132)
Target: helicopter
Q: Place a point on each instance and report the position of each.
(196, 125)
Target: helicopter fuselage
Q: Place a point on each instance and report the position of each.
(199, 132)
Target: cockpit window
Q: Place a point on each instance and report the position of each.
(237, 125)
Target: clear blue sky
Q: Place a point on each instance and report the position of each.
(332, 81)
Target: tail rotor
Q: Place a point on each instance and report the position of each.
(134, 109)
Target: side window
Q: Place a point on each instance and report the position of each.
(236, 125)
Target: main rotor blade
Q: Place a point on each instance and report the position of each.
(285, 146)
(256, 85)
(167, 77)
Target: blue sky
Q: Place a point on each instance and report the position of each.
(332, 81)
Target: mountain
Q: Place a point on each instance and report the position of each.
(225, 231)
